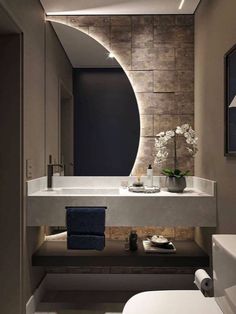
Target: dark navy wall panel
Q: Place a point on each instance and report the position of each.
(107, 125)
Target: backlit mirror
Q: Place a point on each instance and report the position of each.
(99, 124)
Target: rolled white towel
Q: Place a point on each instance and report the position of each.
(57, 237)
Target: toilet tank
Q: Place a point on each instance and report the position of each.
(224, 272)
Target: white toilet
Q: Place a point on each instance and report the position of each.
(193, 301)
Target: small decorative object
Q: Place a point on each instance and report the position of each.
(159, 240)
(138, 183)
(144, 189)
(149, 176)
(133, 239)
(175, 180)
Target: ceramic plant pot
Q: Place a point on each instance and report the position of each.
(175, 185)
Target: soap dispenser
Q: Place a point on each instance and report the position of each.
(149, 176)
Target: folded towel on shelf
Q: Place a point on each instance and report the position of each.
(86, 242)
(85, 220)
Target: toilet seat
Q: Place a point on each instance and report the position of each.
(171, 302)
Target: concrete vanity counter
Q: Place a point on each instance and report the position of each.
(195, 207)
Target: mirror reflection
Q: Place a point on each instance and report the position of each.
(96, 136)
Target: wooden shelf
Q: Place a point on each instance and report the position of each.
(56, 254)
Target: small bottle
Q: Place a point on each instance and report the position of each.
(133, 241)
(149, 176)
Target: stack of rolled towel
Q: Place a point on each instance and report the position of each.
(85, 228)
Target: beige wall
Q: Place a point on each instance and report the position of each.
(215, 34)
(44, 66)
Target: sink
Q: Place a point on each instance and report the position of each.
(83, 191)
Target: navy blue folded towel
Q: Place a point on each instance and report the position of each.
(85, 228)
(85, 220)
(86, 242)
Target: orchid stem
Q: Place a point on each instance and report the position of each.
(175, 153)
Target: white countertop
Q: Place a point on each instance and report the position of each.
(196, 206)
(74, 191)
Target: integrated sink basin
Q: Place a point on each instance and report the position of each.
(195, 207)
(81, 191)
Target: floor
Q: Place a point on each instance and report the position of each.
(82, 302)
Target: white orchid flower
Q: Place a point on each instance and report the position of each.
(179, 130)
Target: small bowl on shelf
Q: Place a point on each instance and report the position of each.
(159, 241)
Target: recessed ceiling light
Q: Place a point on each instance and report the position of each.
(181, 4)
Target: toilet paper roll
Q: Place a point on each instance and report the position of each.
(202, 280)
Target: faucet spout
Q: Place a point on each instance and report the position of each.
(50, 170)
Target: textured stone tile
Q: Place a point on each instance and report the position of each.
(142, 81)
(156, 20)
(84, 29)
(89, 20)
(165, 122)
(59, 19)
(168, 164)
(165, 81)
(121, 20)
(184, 58)
(123, 54)
(142, 20)
(146, 123)
(184, 233)
(147, 151)
(165, 57)
(157, 103)
(173, 34)
(164, 34)
(107, 232)
(166, 19)
(186, 163)
(184, 33)
(140, 167)
(142, 35)
(186, 119)
(184, 19)
(120, 34)
(119, 233)
(182, 147)
(143, 58)
(101, 34)
(143, 232)
(185, 81)
(185, 102)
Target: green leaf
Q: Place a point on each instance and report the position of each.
(183, 174)
(174, 173)
(168, 172)
(177, 172)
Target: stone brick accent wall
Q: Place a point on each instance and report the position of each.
(157, 53)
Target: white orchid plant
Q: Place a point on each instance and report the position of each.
(162, 152)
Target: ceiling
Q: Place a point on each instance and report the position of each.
(82, 50)
(116, 7)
